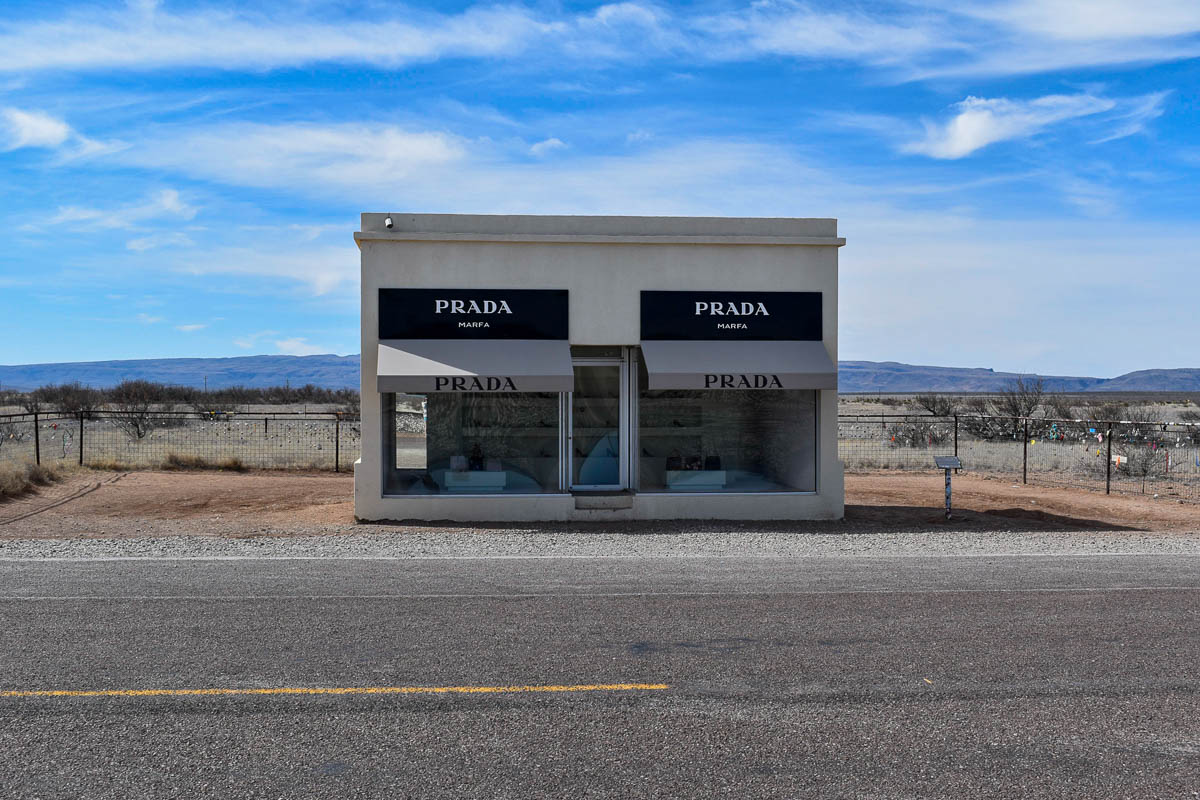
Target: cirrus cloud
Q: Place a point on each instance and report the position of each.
(981, 121)
(902, 41)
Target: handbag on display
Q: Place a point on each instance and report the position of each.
(712, 463)
(674, 462)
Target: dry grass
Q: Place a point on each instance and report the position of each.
(21, 479)
(183, 461)
(110, 465)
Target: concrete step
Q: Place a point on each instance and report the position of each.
(603, 501)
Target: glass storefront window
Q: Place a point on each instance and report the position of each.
(727, 441)
(471, 443)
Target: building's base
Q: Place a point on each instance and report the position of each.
(589, 508)
(600, 506)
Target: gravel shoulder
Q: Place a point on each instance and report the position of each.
(290, 515)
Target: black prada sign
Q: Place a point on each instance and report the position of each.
(474, 384)
(755, 380)
(473, 314)
(707, 316)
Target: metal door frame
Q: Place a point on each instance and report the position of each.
(624, 426)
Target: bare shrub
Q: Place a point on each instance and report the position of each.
(1022, 397)
(1060, 406)
(137, 408)
(1142, 460)
(13, 433)
(939, 405)
(1105, 410)
(71, 398)
(918, 434)
(206, 405)
(978, 420)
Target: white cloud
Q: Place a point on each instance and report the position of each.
(33, 129)
(1089, 20)
(346, 155)
(323, 269)
(150, 38)
(1092, 198)
(981, 121)
(147, 319)
(165, 203)
(1134, 119)
(250, 340)
(156, 240)
(903, 41)
(780, 27)
(299, 346)
(381, 165)
(23, 128)
(546, 146)
(1019, 37)
(192, 328)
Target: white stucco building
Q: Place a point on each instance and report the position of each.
(564, 368)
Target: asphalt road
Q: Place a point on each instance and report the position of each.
(987, 676)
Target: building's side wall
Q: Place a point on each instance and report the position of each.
(604, 280)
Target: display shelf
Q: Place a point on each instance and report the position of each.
(695, 479)
(475, 481)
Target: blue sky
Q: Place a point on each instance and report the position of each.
(1017, 179)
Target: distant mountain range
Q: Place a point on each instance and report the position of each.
(890, 376)
(330, 372)
(337, 372)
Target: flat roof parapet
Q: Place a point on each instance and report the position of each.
(634, 230)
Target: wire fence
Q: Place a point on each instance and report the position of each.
(182, 440)
(1161, 458)
(1128, 456)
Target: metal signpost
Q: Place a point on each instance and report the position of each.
(947, 463)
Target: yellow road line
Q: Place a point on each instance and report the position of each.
(338, 690)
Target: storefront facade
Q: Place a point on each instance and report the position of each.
(592, 368)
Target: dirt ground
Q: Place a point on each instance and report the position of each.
(92, 504)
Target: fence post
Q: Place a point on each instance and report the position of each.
(1108, 465)
(337, 443)
(956, 439)
(37, 440)
(265, 430)
(81, 438)
(1025, 454)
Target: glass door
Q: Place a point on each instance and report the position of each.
(598, 433)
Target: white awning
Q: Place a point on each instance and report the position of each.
(418, 366)
(738, 365)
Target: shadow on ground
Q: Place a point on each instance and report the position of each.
(860, 519)
(999, 519)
